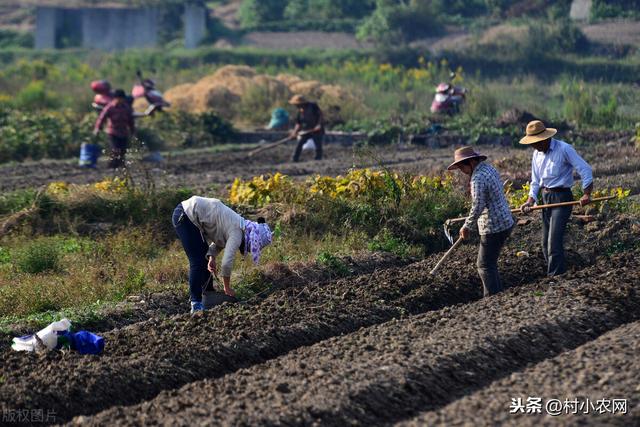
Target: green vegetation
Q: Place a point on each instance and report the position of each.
(59, 134)
(258, 14)
(43, 104)
(15, 39)
(395, 207)
(615, 9)
(99, 243)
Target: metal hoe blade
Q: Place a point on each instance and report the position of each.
(447, 231)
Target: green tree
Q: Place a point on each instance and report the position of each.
(329, 9)
(395, 21)
(254, 12)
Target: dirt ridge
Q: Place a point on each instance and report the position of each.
(146, 358)
(403, 366)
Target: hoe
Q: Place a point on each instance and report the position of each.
(449, 222)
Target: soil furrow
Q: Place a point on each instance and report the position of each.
(199, 169)
(388, 372)
(160, 354)
(602, 370)
(143, 307)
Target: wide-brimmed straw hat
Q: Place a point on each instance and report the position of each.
(298, 100)
(536, 132)
(462, 154)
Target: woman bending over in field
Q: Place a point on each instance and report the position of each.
(205, 227)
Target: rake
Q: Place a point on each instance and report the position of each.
(449, 222)
(275, 144)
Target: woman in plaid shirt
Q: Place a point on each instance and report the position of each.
(119, 115)
(490, 210)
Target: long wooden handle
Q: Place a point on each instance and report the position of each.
(550, 205)
(445, 256)
(271, 145)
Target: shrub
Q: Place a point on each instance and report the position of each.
(558, 37)
(10, 38)
(331, 261)
(615, 9)
(394, 22)
(411, 207)
(254, 12)
(387, 242)
(39, 256)
(584, 106)
(481, 103)
(34, 96)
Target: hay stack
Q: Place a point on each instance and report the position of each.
(309, 88)
(288, 79)
(216, 98)
(180, 96)
(223, 91)
(276, 89)
(230, 71)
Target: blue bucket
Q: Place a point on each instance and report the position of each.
(89, 154)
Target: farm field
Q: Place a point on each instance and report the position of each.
(338, 319)
(384, 343)
(202, 169)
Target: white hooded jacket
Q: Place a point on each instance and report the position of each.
(221, 227)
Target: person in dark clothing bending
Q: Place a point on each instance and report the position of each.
(309, 125)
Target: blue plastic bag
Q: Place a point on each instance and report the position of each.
(279, 119)
(84, 342)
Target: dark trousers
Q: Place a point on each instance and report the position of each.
(554, 223)
(196, 249)
(317, 138)
(490, 246)
(118, 150)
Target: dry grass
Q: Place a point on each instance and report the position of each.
(240, 94)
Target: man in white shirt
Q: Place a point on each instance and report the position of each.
(552, 167)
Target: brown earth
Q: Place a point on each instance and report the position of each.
(609, 153)
(385, 343)
(604, 369)
(166, 352)
(385, 373)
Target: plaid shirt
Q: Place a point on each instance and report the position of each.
(120, 117)
(489, 206)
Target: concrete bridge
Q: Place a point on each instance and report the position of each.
(114, 26)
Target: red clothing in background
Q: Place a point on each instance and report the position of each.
(120, 119)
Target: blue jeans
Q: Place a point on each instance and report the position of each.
(196, 249)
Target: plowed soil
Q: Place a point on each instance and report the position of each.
(386, 343)
(347, 331)
(385, 373)
(202, 169)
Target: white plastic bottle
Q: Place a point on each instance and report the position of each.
(48, 336)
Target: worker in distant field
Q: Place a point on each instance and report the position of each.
(552, 168)
(491, 212)
(309, 125)
(121, 126)
(205, 227)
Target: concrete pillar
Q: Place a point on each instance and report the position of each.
(46, 23)
(580, 10)
(195, 25)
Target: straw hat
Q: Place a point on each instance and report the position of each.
(536, 132)
(462, 154)
(298, 100)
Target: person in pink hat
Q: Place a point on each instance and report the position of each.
(489, 211)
